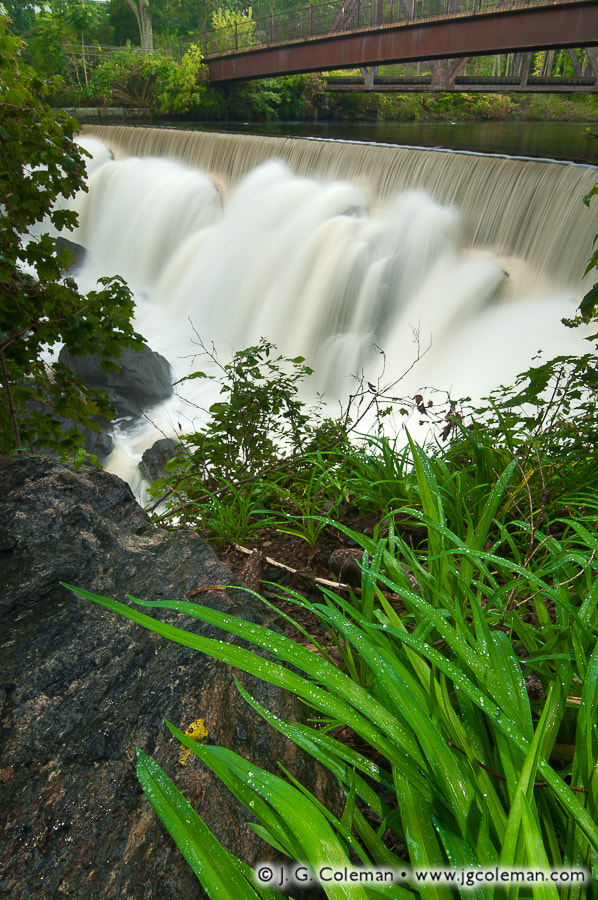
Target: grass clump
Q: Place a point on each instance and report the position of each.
(454, 761)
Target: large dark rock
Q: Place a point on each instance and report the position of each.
(153, 462)
(143, 378)
(81, 687)
(96, 443)
(79, 254)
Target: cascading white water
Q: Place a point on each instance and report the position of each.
(312, 264)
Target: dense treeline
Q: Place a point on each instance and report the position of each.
(97, 50)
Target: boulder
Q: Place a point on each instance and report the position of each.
(96, 443)
(143, 378)
(82, 687)
(79, 254)
(154, 459)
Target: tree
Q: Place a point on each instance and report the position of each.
(59, 28)
(141, 9)
(185, 16)
(21, 14)
(40, 308)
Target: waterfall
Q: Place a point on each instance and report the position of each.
(334, 249)
(525, 207)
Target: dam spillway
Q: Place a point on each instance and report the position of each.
(338, 250)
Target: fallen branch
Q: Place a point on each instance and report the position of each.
(325, 582)
(314, 579)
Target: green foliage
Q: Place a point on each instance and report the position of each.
(168, 18)
(307, 501)
(311, 91)
(260, 100)
(123, 23)
(132, 77)
(39, 308)
(259, 411)
(86, 18)
(21, 14)
(226, 511)
(225, 473)
(185, 88)
(548, 419)
(291, 97)
(57, 33)
(47, 44)
(462, 106)
(233, 30)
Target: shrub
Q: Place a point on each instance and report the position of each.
(131, 77)
(257, 427)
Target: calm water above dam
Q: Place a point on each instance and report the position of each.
(549, 140)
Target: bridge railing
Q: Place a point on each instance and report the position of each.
(321, 19)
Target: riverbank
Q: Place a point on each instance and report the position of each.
(242, 106)
(462, 106)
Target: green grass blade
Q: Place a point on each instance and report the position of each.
(222, 875)
(584, 772)
(500, 721)
(342, 699)
(536, 852)
(317, 845)
(515, 840)
(432, 507)
(422, 842)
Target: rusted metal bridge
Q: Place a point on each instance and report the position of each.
(364, 34)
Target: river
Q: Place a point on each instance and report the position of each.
(572, 141)
(338, 250)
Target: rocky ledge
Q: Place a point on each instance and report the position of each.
(81, 688)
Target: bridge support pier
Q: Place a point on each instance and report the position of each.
(443, 77)
(525, 67)
(368, 76)
(440, 75)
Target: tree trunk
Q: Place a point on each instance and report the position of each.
(440, 75)
(144, 22)
(83, 58)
